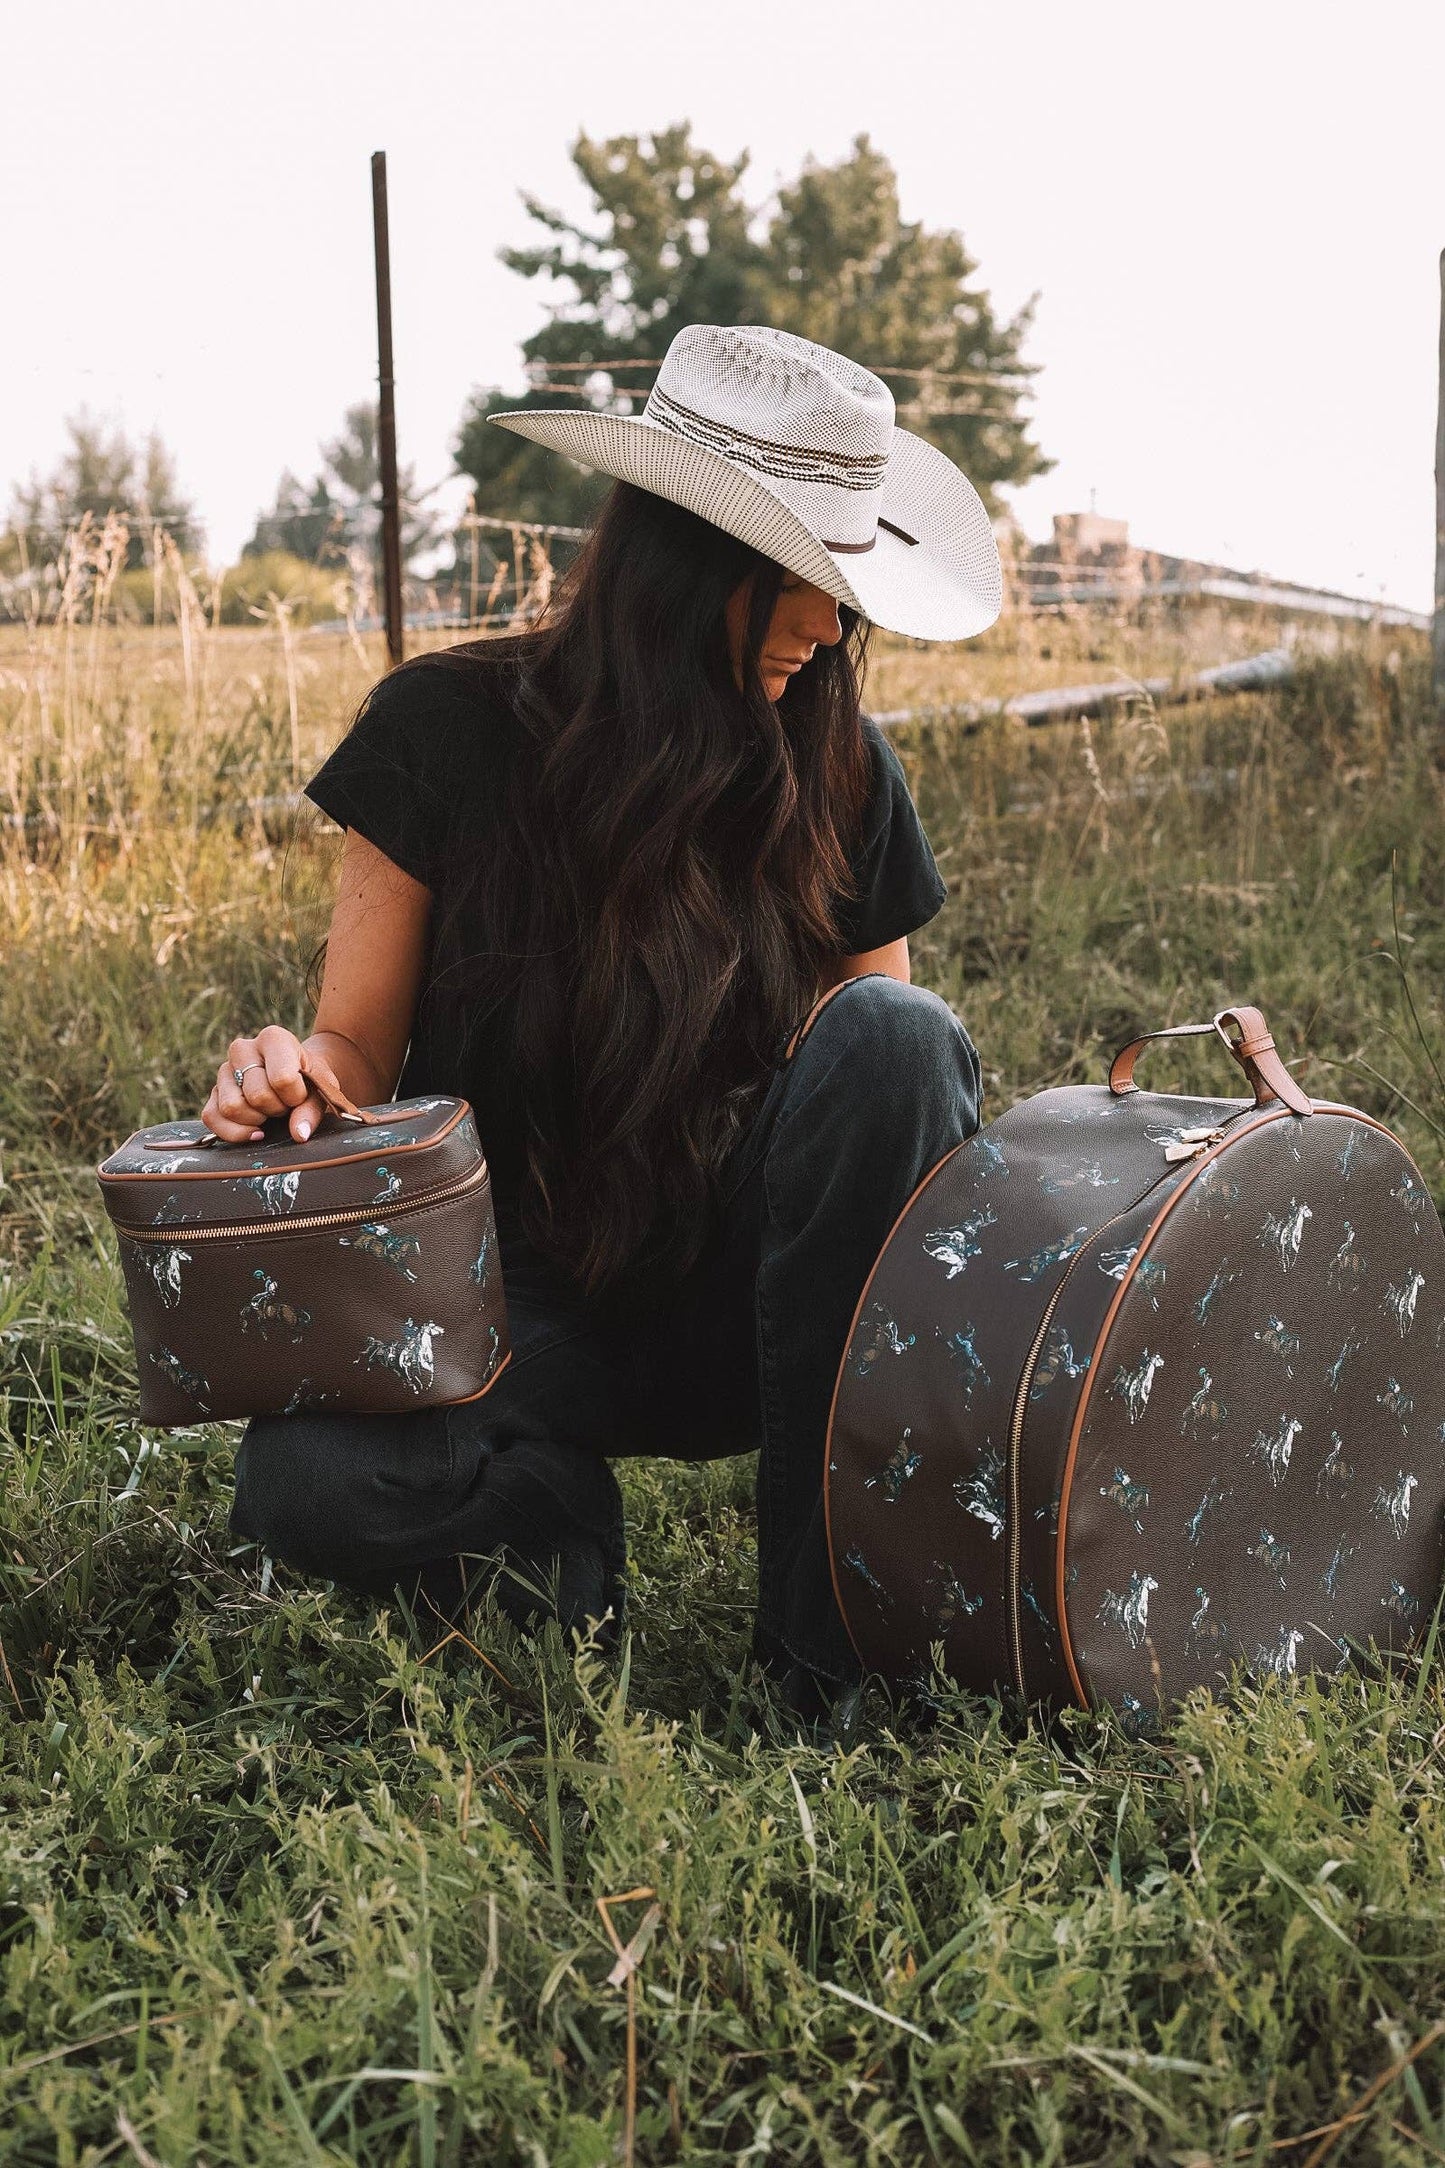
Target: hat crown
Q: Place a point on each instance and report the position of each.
(804, 418)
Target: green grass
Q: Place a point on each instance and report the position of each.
(280, 1884)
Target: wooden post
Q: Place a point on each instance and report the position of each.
(1438, 629)
(386, 416)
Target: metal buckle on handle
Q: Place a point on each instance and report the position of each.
(1233, 1045)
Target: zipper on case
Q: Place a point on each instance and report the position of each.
(1015, 1447)
(308, 1222)
(1192, 1142)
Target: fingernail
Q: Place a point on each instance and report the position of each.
(303, 1131)
(258, 1136)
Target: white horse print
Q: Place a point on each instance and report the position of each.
(983, 1147)
(1133, 1386)
(1274, 1447)
(277, 1192)
(1283, 1658)
(956, 1247)
(1401, 1300)
(979, 1493)
(1401, 1602)
(408, 1357)
(1130, 1610)
(163, 1262)
(1393, 1504)
(1285, 1231)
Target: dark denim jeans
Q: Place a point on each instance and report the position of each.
(739, 1355)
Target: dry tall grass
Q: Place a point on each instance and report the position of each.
(279, 1881)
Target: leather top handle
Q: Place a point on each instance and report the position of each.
(332, 1097)
(1254, 1050)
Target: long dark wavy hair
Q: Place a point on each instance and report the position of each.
(660, 897)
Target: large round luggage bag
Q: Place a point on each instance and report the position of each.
(1142, 1386)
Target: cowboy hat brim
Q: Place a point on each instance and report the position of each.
(944, 584)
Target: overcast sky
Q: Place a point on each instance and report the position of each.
(1232, 215)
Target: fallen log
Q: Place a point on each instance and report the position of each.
(1068, 703)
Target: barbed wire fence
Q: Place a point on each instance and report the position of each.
(505, 569)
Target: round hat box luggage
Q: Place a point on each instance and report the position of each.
(1141, 1386)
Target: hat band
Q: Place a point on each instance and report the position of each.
(857, 549)
(786, 462)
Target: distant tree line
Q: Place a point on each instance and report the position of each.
(670, 239)
(100, 472)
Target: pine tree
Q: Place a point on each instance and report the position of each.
(339, 510)
(103, 471)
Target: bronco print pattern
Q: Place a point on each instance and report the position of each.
(1138, 1445)
(357, 1273)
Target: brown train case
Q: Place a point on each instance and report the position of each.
(356, 1273)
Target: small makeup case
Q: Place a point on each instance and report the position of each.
(356, 1273)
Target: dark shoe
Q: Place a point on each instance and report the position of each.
(812, 1697)
(576, 1586)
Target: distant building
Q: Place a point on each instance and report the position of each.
(1090, 559)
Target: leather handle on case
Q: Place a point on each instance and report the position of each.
(333, 1098)
(1254, 1050)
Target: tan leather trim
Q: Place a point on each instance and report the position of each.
(1247, 1127)
(482, 1390)
(336, 1100)
(1256, 1055)
(838, 1380)
(822, 1002)
(1254, 1050)
(294, 1166)
(1121, 1068)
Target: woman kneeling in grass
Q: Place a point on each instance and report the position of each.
(596, 877)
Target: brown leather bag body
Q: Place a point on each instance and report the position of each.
(1141, 1385)
(355, 1273)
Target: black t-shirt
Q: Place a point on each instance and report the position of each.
(428, 761)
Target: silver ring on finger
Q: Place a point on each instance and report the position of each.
(239, 1074)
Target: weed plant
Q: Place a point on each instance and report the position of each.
(281, 1881)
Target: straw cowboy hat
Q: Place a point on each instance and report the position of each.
(794, 449)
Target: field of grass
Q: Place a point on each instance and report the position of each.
(280, 1882)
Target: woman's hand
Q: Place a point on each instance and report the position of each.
(375, 955)
(271, 1082)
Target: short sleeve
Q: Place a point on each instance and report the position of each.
(394, 775)
(899, 885)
